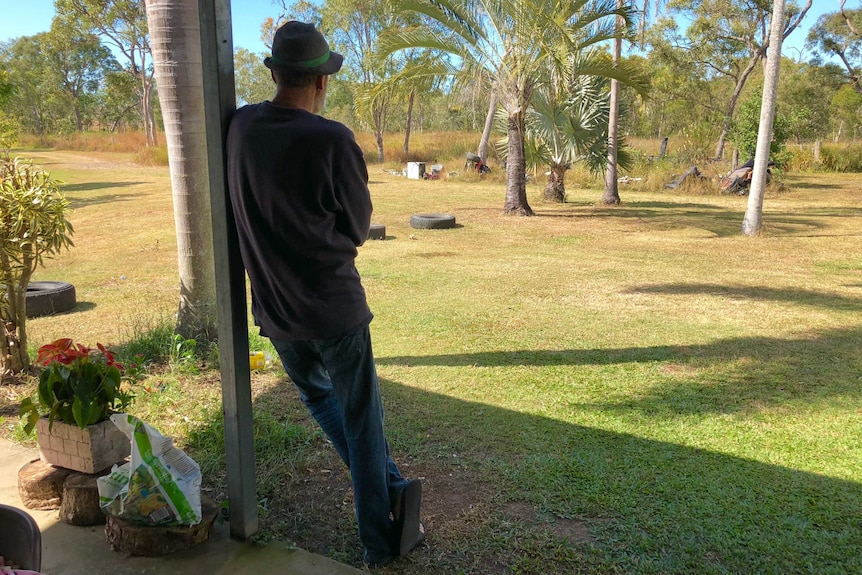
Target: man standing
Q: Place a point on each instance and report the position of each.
(299, 188)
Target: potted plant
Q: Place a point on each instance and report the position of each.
(78, 391)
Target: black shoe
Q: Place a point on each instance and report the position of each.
(409, 531)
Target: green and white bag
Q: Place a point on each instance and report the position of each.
(161, 485)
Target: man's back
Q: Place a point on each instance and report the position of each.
(298, 186)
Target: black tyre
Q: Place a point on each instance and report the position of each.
(377, 232)
(432, 221)
(49, 297)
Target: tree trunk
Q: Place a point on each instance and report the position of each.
(731, 106)
(378, 137)
(147, 116)
(14, 357)
(555, 189)
(611, 195)
(516, 166)
(482, 152)
(176, 46)
(410, 101)
(752, 222)
(379, 112)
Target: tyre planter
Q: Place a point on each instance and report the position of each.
(377, 232)
(432, 221)
(49, 297)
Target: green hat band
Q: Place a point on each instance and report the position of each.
(302, 63)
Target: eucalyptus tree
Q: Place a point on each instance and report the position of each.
(752, 221)
(79, 63)
(174, 27)
(28, 99)
(117, 102)
(806, 100)
(725, 40)
(353, 30)
(837, 34)
(512, 43)
(253, 81)
(123, 24)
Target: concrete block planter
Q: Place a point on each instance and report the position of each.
(90, 450)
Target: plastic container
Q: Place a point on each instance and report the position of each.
(259, 360)
(20, 538)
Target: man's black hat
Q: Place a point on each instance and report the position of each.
(299, 47)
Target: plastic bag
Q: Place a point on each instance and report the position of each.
(161, 485)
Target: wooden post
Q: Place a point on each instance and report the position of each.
(663, 149)
(219, 104)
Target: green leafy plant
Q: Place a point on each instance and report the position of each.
(79, 385)
(746, 124)
(33, 225)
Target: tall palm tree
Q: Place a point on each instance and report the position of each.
(512, 42)
(176, 45)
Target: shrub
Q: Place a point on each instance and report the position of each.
(846, 158)
(157, 156)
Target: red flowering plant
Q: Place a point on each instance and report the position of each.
(79, 385)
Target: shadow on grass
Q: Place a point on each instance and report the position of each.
(720, 222)
(90, 186)
(650, 506)
(757, 293)
(76, 203)
(737, 372)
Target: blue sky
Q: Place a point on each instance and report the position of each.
(28, 17)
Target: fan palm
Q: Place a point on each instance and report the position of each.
(513, 43)
(567, 123)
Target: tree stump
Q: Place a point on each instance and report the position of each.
(40, 485)
(80, 505)
(146, 541)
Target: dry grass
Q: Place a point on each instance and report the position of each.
(633, 389)
(123, 264)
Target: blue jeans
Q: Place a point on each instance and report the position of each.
(337, 380)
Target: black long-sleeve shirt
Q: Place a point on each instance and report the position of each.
(299, 189)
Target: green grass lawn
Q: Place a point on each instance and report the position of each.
(632, 389)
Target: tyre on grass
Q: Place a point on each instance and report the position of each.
(377, 232)
(432, 221)
(49, 297)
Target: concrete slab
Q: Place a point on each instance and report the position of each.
(71, 550)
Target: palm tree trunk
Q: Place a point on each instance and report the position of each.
(752, 222)
(555, 189)
(516, 166)
(410, 101)
(611, 195)
(482, 152)
(176, 46)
